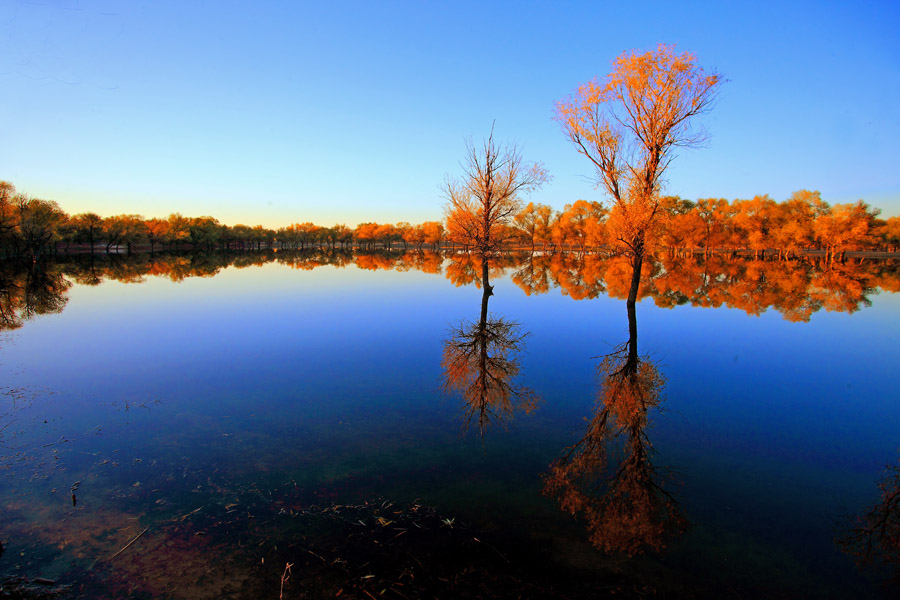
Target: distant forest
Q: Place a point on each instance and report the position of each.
(31, 227)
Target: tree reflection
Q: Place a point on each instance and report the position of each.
(875, 536)
(531, 276)
(29, 291)
(797, 289)
(608, 477)
(480, 362)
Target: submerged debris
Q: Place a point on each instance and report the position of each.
(22, 588)
(390, 549)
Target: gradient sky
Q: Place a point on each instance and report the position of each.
(344, 112)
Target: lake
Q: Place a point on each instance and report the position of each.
(321, 423)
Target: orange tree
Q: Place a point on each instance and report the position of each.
(629, 126)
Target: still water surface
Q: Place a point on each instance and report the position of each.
(226, 416)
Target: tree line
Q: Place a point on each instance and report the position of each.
(31, 227)
(759, 225)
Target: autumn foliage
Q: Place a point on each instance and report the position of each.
(608, 477)
(31, 227)
(760, 227)
(484, 201)
(628, 126)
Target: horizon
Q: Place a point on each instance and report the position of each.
(300, 113)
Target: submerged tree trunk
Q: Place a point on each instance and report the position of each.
(485, 283)
(632, 360)
(637, 262)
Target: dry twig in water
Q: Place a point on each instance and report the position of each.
(124, 548)
(285, 577)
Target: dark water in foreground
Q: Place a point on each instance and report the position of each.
(314, 412)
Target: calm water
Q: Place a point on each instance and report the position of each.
(295, 411)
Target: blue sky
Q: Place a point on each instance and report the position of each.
(344, 112)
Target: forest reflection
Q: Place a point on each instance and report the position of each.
(795, 288)
(480, 358)
(608, 477)
(28, 292)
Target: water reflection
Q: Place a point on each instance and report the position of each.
(230, 470)
(795, 288)
(36, 289)
(874, 538)
(532, 274)
(608, 476)
(480, 358)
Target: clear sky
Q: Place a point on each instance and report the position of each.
(344, 112)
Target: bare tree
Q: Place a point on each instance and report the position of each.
(630, 125)
(487, 196)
